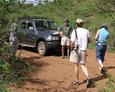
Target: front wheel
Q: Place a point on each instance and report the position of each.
(41, 48)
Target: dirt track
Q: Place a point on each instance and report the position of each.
(55, 74)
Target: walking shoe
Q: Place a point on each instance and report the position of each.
(90, 83)
(103, 70)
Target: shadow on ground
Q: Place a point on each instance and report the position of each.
(99, 78)
(110, 67)
(50, 52)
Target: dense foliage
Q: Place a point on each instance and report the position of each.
(12, 68)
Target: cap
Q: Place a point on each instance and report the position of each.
(79, 21)
(104, 25)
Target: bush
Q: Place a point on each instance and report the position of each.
(3, 89)
(12, 69)
(110, 84)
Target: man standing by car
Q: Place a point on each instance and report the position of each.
(65, 32)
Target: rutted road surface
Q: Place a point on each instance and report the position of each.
(54, 74)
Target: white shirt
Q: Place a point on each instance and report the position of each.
(82, 38)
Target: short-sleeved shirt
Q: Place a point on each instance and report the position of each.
(66, 30)
(82, 37)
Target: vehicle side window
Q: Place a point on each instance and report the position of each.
(45, 25)
(30, 26)
(23, 25)
(39, 24)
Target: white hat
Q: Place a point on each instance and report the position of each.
(79, 21)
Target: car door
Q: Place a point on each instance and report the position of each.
(30, 35)
(20, 32)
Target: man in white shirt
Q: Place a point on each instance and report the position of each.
(80, 38)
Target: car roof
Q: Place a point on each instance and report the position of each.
(34, 18)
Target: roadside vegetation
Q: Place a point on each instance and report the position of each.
(94, 12)
(110, 85)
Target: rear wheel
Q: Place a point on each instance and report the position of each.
(42, 48)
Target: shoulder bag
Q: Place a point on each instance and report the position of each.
(74, 53)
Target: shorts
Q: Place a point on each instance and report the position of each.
(81, 57)
(65, 41)
(100, 52)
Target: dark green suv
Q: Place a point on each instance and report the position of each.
(40, 33)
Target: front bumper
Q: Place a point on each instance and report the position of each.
(53, 44)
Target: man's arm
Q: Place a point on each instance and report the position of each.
(73, 39)
(89, 37)
(72, 45)
(60, 31)
(97, 35)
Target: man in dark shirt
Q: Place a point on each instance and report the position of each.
(65, 32)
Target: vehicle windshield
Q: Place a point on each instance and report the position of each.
(46, 25)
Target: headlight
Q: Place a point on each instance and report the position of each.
(49, 37)
(55, 38)
(52, 38)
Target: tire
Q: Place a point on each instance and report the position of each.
(41, 48)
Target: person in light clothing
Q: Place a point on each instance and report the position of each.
(81, 41)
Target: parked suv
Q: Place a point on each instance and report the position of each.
(40, 33)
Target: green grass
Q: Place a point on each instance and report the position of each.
(110, 85)
(3, 89)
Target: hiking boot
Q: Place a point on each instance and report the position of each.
(103, 70)
(90, 83)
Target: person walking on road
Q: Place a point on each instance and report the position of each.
(101, 38)
(80, 43)
(65, 32)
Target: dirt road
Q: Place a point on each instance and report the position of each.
(54, 74)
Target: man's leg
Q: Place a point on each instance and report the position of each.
(68, 46)
(103, 70)
(99, 56)
(63, 46)
(68, 51)
(62, 50)
(83, 61)
(103, 53)
(85, 71)
(84, 68)
(90, 82)
(76, 69)
(100, 64)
